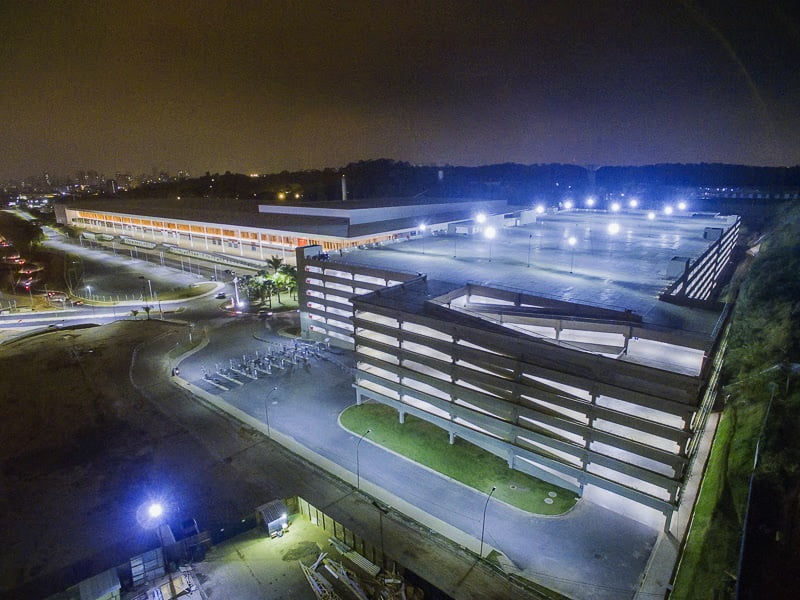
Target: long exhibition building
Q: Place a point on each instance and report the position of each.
(583, 347)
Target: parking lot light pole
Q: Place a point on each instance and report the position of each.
(266, 408)
(483, 526)
(358, 466)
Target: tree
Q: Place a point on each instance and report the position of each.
(275, 263)
(147, 310)
(134, 312)
(289, 274)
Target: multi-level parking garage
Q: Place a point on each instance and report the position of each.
(556, 355)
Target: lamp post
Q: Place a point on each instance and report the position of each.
(530, 241)
(613, 229)
(150, 285)
(358, 466)
(422, 229)
(489, 234)
(89, 291)
(156, 512)
(382, 510)
(483, 526)
(266, 408)
(572, 241)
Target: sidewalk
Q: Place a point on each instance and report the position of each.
(662, 563)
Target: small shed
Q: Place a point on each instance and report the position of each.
(275, 517)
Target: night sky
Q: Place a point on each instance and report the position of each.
(267, 86)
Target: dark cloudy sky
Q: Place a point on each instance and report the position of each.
(266, 86)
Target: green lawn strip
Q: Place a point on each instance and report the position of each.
(429, 445)
(709, 562)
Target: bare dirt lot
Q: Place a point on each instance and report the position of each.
(82, 450)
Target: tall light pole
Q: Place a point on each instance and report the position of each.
(150, 285)
(422, 229)
(483, 526)
(489, 234)
(358, 466)
(156, 512)
(530, 241)
(266, 408)
(613, 229)
(572, 241)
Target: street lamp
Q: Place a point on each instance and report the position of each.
(489, 234)
(155, 511)
(422, 229)
(358, 466)
(613, 229)
(266, 408)
(483, 526)
(530, 240)
(572, 241)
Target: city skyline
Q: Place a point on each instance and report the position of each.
(266, 88)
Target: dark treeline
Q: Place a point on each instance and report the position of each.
(517, 183)
(700, 175)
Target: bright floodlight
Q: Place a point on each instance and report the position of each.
(681, 205)
(155, 510)
(539, 209)
(613, 228)
(667, 210)
(568, 204)
(633, 203)
(490, 233)
(572, 240)
(423, 227)
(590, 201)
(651, 215)
(480, 218)
(615, 207)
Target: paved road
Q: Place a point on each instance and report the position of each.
(589, 553)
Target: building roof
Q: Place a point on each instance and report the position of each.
(626, 271)
(332, 219)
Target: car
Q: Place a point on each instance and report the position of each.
(221, 296)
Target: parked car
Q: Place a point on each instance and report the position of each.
(221, 295)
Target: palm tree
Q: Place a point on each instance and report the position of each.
(275, 263)
(147, 310)
(289, 273)
(134, 312)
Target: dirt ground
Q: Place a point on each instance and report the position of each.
(74, 453)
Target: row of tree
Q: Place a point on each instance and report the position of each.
(279, 278)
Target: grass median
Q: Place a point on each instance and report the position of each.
(430, 446)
